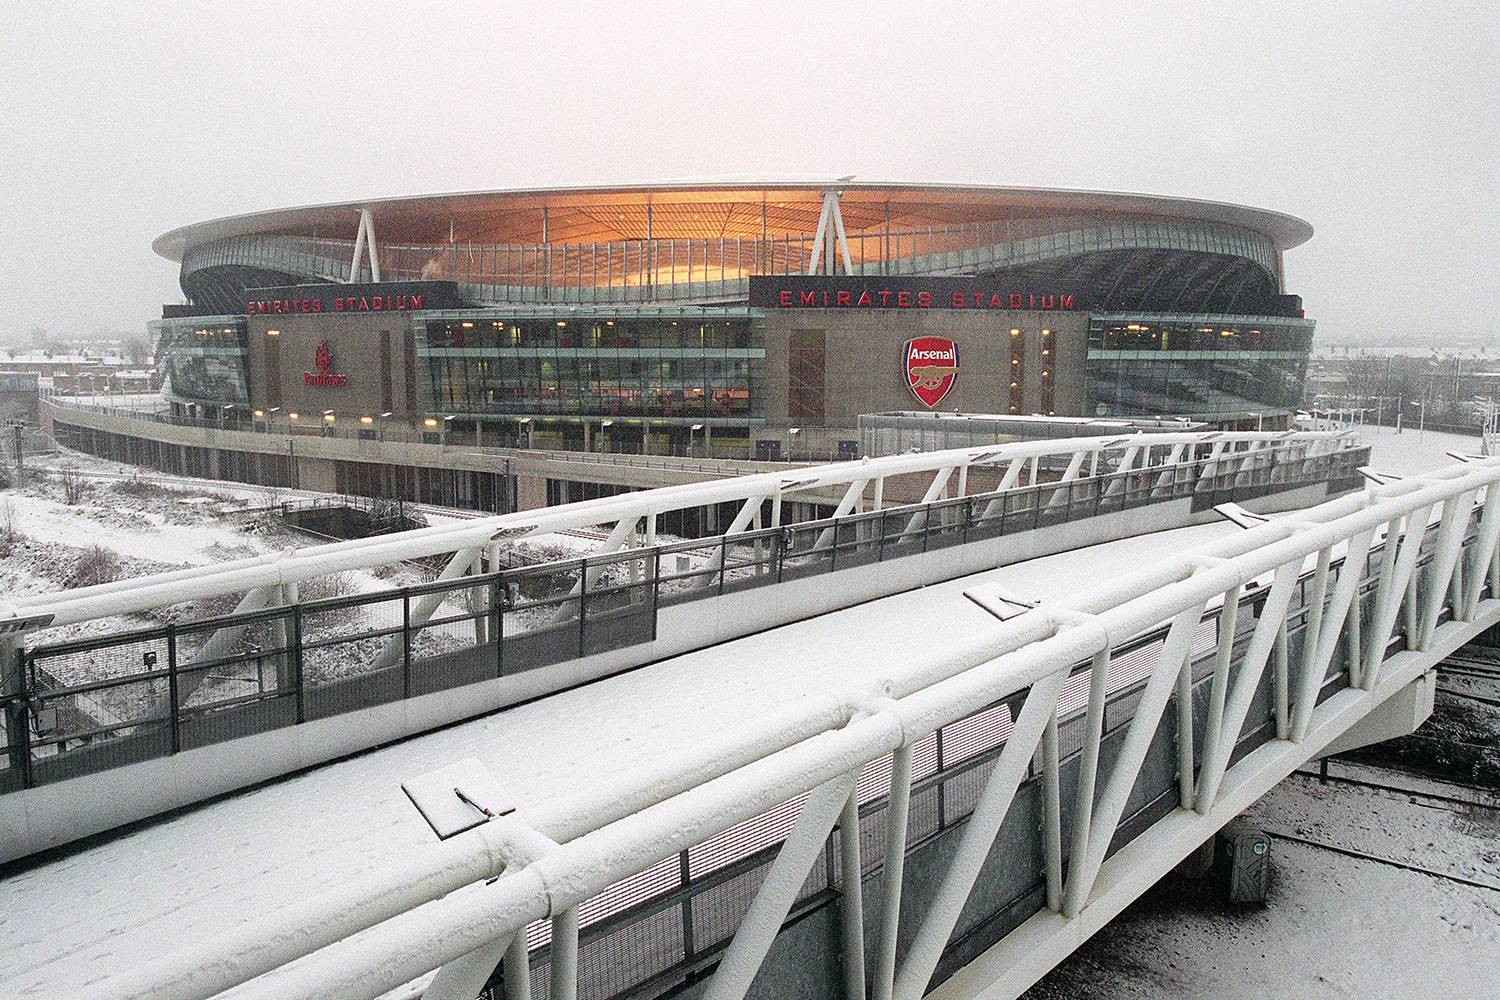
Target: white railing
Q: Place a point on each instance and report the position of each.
(462, 905)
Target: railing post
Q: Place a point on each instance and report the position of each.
(583, 596)
(497, 622)
(172, 687)
(296, 654)
(405, 642)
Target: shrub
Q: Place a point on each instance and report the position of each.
(95, 564)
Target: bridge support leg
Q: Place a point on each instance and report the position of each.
(852, 912)
(768, 910)
(894, 861)
(564, 975)
(1052, 813)
(1341, 617)
(517, 968)
(1088, 766)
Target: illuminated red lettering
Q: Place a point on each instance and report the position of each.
(809, 298)
(785, 298)
(996, 302)
(1049, 301)
(1016, 300)
(1065, 301)
(903, 299)
(416, 301)
(865, 300)
(842, 298)
(924, 299)
(885, 297)
(958, 300)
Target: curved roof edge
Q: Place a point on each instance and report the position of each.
(1286, 231)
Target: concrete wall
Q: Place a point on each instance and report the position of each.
(864, 352)
(38, 818)
(369, 348)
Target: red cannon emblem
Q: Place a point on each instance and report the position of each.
(931, 368)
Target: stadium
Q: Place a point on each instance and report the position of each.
(738, 319)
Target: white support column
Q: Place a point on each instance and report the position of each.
(1341, 614)
(815, 258)
(1219, 688)
(1218, 743)
(768, 910)
(1445, 562)
(1060, 495)
(1483, 549)
(1084, 869)
(1391, 590)
(1088, 770)
(852, 908)
(517, 968)
(1169, 474)
(219, 644)
(1117, 484)
(978, 837)
(1052, 814)
(919, 519)
(564, 972)
(359, 248)
(838, 230)
(1007, 482)
(367, 219)
(846, 505)
(737, 526)
(1280, 679)
(893, 863)
(623, 530)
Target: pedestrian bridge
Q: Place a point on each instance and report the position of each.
(952, 830)
(117, 727)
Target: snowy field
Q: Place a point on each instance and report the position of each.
(76, 917)
(1335, 926)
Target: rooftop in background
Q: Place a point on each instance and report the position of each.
(709, 210)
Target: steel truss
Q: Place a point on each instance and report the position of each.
(464, 904)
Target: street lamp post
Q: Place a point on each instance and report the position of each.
(692, 440)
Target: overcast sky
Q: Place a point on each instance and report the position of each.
(120, 121)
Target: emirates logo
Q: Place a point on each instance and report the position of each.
(323, 362)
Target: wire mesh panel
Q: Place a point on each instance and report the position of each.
(453, 646)
(619, 609)
(353, 653)
(541, 619)
(947, 523)
(751, 558)
(687, 571)
(99, 704)
(235, 677)
(807, 549)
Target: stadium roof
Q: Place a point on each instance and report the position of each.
(708, 209)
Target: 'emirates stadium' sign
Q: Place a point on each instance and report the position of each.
(385, 296)
(865, 292)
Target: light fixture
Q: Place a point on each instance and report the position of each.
(607, 423)
(696, 427)
(449, 417)
(1015, 332)
(430, 422)
(794, 430)
(273, 333)
(293, 415)
(366, 420)
(1046, 333)
(467, 325)
(328, 415)
(258, 413)
(562, 322)
(387, 413)
(524, 420)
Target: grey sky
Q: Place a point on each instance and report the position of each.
(1378, 123)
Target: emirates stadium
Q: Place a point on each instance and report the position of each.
(735, 317)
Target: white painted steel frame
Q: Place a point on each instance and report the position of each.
(474, 891)
(283, 568)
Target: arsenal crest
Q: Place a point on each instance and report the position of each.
(323, 362)
(931, 368)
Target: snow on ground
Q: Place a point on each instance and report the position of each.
(1413, 451)
(1334, 926)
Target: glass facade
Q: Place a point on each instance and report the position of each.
(661, 368)
(203, 358)
(1195, 365)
